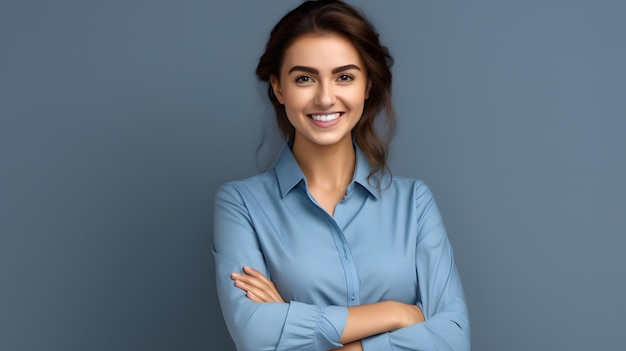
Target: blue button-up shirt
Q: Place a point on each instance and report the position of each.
(380, 244)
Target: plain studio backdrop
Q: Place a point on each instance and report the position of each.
(119, 119)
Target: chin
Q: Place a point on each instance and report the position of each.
(330, 141)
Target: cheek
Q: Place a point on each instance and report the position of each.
(356, 95)
(356, 100)
(296, 100)
(293, 108)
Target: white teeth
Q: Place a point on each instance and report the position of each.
(326, 118)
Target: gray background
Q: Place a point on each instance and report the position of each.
(118, 120)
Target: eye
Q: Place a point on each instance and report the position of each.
(345, 78)
(303, 79)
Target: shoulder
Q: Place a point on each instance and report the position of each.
(241, 189)
(404, 184)
(408, 190)
(254, 181)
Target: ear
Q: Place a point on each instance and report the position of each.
(276, 88)
(368, 88)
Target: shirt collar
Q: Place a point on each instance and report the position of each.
(289, 174)
(288, 171)
(362, 172)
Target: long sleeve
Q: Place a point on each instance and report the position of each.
(442, 298)
(263, 326)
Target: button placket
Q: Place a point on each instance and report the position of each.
(352, 281)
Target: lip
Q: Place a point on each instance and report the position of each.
(325, 124)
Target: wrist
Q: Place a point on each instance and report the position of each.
(399, 316)
(406, 315)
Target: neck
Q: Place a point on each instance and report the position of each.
(327, 167)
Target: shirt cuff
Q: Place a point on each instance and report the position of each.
(311, 327)
(378, 342)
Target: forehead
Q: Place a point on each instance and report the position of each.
(321, 51)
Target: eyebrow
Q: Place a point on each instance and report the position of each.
(315, 71)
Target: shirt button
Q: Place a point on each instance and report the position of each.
(353, 297)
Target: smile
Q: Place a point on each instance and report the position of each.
(326, 118)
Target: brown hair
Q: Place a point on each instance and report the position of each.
(333, 16)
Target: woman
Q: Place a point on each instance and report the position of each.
(328, 250)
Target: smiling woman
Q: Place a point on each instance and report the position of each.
(323, 91)
(327, 249)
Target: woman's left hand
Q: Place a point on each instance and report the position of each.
(256, 285)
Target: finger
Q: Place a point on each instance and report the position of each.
(256, 274)
(254, 298)
(264, 295)
(253, 272)
(252, 281)
(267, 284)
(258, 280)
(260, 295)
(263, 289)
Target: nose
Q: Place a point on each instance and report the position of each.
(325, 96)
